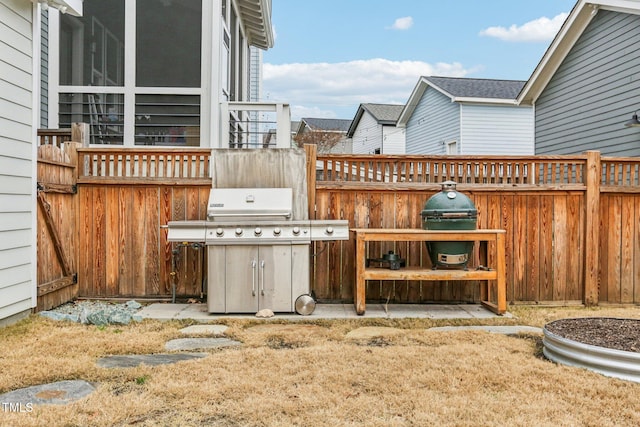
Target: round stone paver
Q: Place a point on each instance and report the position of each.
(58, 393)
(283, 328)
(133, 360)
(370, 332)
(204, 330)
(199, 343)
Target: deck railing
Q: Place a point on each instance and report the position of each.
(55, 137)
(133, 164)
(462, 169)
(255, 125)
(620, 172)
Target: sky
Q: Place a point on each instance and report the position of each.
(332, 55)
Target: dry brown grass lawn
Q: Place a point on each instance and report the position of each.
(315, 376)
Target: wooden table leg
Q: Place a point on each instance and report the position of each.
(501, 269)
(359, 294)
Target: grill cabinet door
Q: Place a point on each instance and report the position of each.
(242, 281)
(275, 278)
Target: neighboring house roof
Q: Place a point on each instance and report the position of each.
(485, 91)
(256, 18)
(573, 27)
(335, 125)
(384, 114)
(459, 88)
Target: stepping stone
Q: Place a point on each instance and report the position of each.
(283, 328)
(199, 343)
(133, 360)
(506, 330)
(370, 332)
(58, 393)
(204, 329)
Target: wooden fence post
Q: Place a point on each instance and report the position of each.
(592, 228)
(312, 155)
(80, 132)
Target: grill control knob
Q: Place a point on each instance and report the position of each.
(257, 231)
(329, 230)
(219, 232)
(296, 231)
(238, 231)
(277, 231)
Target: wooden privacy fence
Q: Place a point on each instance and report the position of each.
(572, 222)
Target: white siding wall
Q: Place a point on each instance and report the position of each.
(491, 129)
(17, 205)
(368, 135)
(435, 120)
(393, 140)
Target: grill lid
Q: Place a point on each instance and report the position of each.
(250, 203)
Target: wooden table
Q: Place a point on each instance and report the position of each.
(493, 273)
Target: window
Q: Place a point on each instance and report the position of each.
(451, 147)
(150, 97)
(168, 43)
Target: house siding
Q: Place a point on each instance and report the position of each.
(44, 69)
(594, 91)
(490, 129)
(435, 120)
(368, 135)
(16, 156)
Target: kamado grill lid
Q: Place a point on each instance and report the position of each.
(449, 203)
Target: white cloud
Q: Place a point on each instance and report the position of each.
(541, 29)
(403, 23)
(335, 90)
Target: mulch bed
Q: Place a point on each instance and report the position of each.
(607, 332)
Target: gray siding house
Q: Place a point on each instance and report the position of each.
(447, 115)
(373, 130)
(19, 100)
(587, 84)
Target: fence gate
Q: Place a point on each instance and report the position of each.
(57, 225)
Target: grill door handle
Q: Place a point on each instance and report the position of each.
(253, 277)
(262, 277)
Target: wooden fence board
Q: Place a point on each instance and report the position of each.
(636, 250)
(520, 243)
(562, 250)
(603, 242)
(575, 247)
(158, 267)
(545, 289)
(532, 244)
(626, 248)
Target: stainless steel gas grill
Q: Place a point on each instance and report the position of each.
(258, 255)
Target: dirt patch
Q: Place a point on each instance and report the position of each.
(607, 332)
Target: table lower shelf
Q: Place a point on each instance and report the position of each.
(419, 273)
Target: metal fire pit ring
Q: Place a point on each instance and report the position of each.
(609, 362)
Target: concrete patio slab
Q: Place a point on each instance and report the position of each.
(198, 312)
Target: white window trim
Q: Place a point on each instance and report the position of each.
(450, 145)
